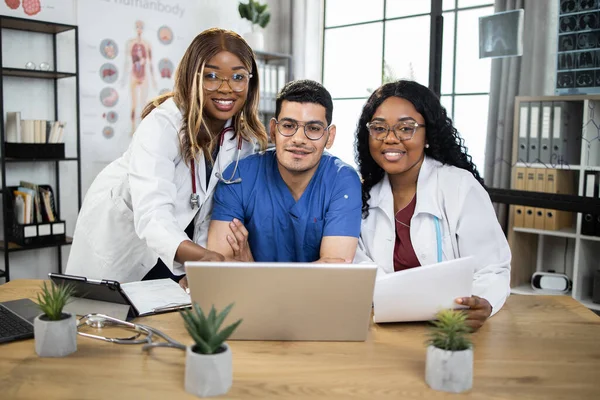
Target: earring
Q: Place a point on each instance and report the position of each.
(426, 145)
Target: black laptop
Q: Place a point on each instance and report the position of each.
(16, 319)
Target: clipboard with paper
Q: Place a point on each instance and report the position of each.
(417, 294)
(127, 300)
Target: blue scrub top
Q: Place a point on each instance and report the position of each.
(279, 228)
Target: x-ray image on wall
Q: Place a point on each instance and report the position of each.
(501, 34)
(578, 47)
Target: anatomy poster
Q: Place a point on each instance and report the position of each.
(61, 11)
(128, 53)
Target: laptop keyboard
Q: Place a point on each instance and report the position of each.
(12, 327)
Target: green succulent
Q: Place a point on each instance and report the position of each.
(450, 331)
(53, 299)
(255, 12)
(205, 329)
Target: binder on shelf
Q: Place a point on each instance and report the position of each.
(597, 230)
(567, 125)
(546, 133)
(13, 127)
(560, 182)
(50, 230)
(523, 132)
(590, 189)
(533, 154)
(539, 213)
(519, 217)
(529, 219)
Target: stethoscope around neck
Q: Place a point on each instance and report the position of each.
(194, 198)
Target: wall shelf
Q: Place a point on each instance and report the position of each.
(12, 247)
(568, 232)
(31, 25)
(565, 250)
(32, 73)
(17, 160)
(51, 30)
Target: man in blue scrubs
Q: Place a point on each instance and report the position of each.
(296, 203)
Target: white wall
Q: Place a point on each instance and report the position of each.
(34, 98)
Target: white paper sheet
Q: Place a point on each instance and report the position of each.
(417, 294)
(159, 295)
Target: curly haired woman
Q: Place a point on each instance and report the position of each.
(423, 199)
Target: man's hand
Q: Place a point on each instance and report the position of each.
(238, 240)
(478, 312)
(208, 256)
(184, 283)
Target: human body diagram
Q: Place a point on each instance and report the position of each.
(138, 53)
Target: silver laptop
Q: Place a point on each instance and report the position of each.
(288, 301)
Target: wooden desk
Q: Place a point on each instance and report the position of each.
(537, 347)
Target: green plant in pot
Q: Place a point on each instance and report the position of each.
(259, 16)
(208, 363)
(55, 331)
(449, 365)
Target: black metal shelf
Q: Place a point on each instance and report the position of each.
(13, 247)
(52, 30)
(18, 160)
(32, 73)
(29, 25)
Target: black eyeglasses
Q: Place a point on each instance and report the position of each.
(312, 130)
(237, 82)
(403, 130)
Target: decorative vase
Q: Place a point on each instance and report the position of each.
(208, 375)
(449, 371)
(256, 40)
(55, 338)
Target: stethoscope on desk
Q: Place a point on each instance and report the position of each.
(144, 334)
(219, 174)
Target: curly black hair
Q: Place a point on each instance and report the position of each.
(445, 143)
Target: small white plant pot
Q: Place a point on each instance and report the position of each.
(208, 375)
(449, 371)
(55, 338)
(256, 40)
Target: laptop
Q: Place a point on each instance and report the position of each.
(16, 319)
(287, 301)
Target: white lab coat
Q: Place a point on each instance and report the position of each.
(137, 208)
(467, 220)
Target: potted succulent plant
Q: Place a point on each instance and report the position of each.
(449, 365)
(208, 366)
(259, 16)
(55, 332)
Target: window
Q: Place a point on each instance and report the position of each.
(368, 43)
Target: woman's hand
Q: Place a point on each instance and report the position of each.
(208, 256)
(478, 312)
(238, 240)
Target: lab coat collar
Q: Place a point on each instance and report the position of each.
(427, 199)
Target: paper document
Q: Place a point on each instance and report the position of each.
(154, 296)
(417, 294)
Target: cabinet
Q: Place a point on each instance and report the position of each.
(51, 34)
(566, 247)
(275, 70)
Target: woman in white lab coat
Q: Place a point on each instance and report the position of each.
(423, 199)
(148, 212)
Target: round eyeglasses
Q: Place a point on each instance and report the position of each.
(403, 130)
(237, 82)
(312, 130)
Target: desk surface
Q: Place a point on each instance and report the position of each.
(536, 347)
